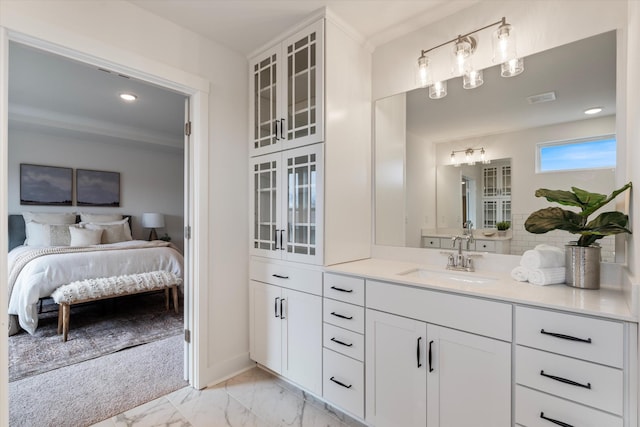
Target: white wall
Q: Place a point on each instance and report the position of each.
(151, 178)
(124, 34)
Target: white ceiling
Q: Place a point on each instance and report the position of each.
(247, 25)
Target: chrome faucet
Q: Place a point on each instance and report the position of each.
(468, 230)
(460, 261)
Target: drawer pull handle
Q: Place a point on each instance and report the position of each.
(341, 343)
(342, 290)
(339, 383)
(565, 337)
(341, 316)
(560, 423)
(566, 381)
(280, 276)
(418, 352)
(430, 363)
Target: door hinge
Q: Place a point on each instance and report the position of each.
(187, 128)
(187, 232)
(187, 335)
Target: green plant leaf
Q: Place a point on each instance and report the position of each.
(592, 208)
(608, 223)
(589, 199)
(547, 219)
(562, 197)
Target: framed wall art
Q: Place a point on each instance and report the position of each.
(45, 185)
(97, 188)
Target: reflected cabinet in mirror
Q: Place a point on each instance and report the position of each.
(477, 156)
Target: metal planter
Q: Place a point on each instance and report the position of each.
(582, 266)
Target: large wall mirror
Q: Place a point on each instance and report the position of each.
(418, 189)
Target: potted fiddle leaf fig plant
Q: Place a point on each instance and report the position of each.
(582, 258)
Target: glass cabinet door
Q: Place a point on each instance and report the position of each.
(304, 54)
(304, 204)
(265, 98)
(266, 235)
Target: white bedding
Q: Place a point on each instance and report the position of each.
(42, 275)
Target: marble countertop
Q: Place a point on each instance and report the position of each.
(605, 302)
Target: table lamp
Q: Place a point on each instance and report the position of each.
(152, 221)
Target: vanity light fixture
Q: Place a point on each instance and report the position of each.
(593, 110)
(469, 156)
(129, 97)
(504, 52)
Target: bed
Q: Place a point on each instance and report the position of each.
(36, 270)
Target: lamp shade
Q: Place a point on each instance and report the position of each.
(152, 220)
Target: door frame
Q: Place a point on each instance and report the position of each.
(196, 199)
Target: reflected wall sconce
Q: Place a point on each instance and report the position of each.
(464, 46)
(469, 157)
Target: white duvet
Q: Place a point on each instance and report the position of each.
(42, 275)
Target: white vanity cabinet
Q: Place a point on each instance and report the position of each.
(344, 348)
(287, 205)
(421, 371)
(571, 369)
(285, 314)
(287, 98)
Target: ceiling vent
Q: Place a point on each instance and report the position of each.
(541, 97)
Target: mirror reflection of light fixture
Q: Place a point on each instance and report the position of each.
(504, 52)
(469, 158)
(152, 221)
(438, 90)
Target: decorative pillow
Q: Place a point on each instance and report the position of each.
(113, 232)
(84, 237)
(50, 218)
(99, 218)
(47, 234)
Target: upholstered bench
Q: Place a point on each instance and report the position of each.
(111, 287)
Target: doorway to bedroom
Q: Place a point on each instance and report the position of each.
(61, 116)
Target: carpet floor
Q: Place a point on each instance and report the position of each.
(86, 393)
(96, 329)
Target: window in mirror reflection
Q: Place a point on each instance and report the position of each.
(592, 153)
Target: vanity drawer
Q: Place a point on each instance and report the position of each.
(344, 341)
(587, 338)
(286, 276)
(430, 242)
(344, 288)
(347, 316)
(474, 315)
(343, 382)
(532, 406)
(594, 385)
(485, 246)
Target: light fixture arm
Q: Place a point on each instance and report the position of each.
(502, 21)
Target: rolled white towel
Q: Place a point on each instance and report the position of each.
(520, 273)
(547, 276)
(543, 256)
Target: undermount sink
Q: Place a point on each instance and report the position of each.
(461, 277)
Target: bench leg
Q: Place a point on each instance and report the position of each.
(175, 298)
(66, 311)
(166, 299)
(59, 319)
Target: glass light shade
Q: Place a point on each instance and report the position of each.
(454, 161)
(472, 79)
(504, 44)
(152, 220)
(424, 72)
(461, 60)
(512, 67)
(438, 90)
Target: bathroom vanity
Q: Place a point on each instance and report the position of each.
(456, 349)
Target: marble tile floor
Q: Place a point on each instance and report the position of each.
(254, 398)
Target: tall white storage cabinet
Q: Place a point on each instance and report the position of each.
(310, 187)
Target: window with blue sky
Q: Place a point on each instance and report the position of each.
(592, 153)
